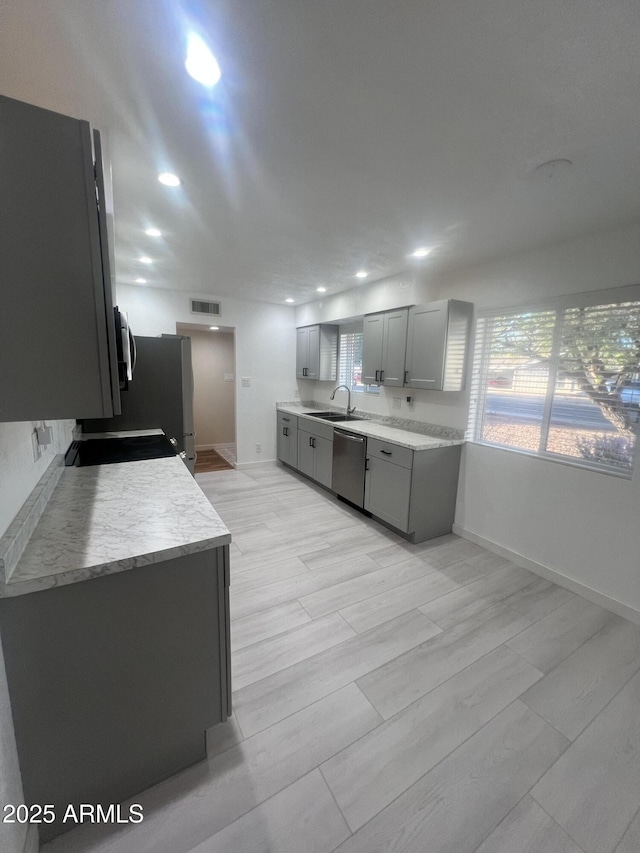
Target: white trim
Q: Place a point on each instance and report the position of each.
(242, 466)
(593, 595)
(230, 445)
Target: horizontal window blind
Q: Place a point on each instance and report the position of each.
(350, 359)
(562, 382)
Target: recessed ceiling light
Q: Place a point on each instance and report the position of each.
(322, 290)
(145, 260)
(169, 179)
(420, 252)
(153, 232)
(215, 328)
(200, 62)
(141, 281)
(361, 274)
(288, 300)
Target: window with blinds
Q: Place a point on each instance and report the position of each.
(562, 382)
(350, 357)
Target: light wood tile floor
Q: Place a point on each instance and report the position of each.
(390, 697)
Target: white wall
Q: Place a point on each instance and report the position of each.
(19, 473)
(265, 352)
(581, 524)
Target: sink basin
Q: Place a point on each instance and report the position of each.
(333, 416)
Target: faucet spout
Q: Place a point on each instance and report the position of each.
(348, 390)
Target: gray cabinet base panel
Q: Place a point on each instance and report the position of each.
(113, 681)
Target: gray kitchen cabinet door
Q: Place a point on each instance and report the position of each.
(394, 348)
(387, 492)
(302, 352)
(323, 467)
(288, 439)
(313, 357)
(57, 305)
(426, 341)
(306, 455)
(373, 329)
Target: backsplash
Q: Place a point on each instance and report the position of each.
(420, 427)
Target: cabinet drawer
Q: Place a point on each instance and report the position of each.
(285, 419)
(324, 430)
(391, 452)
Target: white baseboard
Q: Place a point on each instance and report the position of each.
(612, 604)
(242, 466)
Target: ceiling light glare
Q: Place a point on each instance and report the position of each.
(200, 63)
(288, 300)
(421, 252)
(153, 232)
(169, 179)
(322, 290)
(215, 328)
(145, 260)
(361, 274)
(141, 281)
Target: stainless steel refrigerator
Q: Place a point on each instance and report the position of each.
(159, 396)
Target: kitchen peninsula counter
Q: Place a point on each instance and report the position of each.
(114, 624)
(104, 519)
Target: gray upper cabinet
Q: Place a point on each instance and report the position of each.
(384, 344)
(56, 324)
(317, 352)
(437, 344)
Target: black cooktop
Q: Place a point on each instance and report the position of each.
(104, 451)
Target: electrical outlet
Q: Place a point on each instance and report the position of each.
(296, 394)
(258, 448)
(411, 404)
(397, 403)
(246, 382)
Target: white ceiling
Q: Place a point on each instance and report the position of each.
(343, 133)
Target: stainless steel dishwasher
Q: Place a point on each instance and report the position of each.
(349, 462)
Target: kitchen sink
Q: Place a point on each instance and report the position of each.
(333, 416)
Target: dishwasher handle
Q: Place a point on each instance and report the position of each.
(350, 436)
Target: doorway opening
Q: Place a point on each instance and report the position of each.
(213, 358)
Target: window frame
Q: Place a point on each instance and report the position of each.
(478, 392)
(352, 328)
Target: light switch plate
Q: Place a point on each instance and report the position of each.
(246, 382)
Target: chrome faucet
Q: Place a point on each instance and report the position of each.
(348, 390)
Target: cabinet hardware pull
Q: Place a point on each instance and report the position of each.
(286, 419)
(377, 372)
(406, 376)
(310, 442)
(366, 464)
(382, 376)
(285, 430)
(386, 452)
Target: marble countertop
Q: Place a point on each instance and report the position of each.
(392, 433)
(104, 519)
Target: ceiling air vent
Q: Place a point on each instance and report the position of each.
(211, 309)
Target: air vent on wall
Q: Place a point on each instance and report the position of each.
(211, 309)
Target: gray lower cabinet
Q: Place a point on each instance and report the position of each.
(315, 450)
(114, 680)
(54, 269)
(287, 439)
(412, 491)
